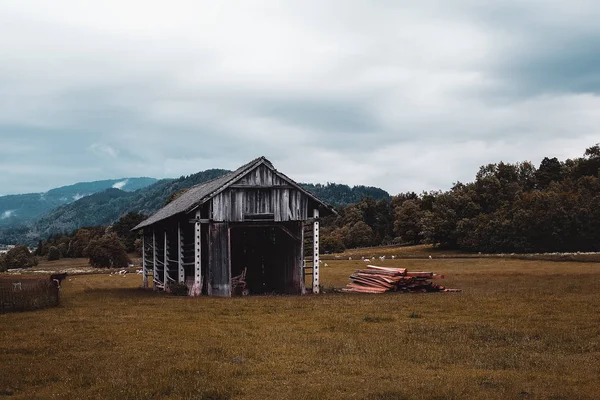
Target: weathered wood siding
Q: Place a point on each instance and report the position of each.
(290, 251)
(261, 176)
(260, 192)
(219, 260)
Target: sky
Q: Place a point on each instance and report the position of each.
(406, 96)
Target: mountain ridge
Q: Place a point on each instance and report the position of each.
(19, 209)
(107, 206)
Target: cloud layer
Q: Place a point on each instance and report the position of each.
(398, 95)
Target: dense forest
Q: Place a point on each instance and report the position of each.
(554, 207)
(508, 208)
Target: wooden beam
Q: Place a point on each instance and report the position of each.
(302, 264)
(201, 220)
(286, 230)
(181, 271)
(144, 266)
(166, 263)
(154, 263)
(316, 251)
(243, 186)
(197, 288)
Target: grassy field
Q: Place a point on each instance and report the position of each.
(519, 330)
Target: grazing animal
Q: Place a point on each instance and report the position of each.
(350, 258)
(430, 257)
(382, 258)
(393, 257)
(17, 285)
(366, 260)
(325, 265)
(58, 278)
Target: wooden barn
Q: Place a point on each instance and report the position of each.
(253, 230)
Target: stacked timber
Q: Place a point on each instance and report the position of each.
(376, 279)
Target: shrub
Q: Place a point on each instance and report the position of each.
(2, 262)
(107, 252)
(53, 253)
(332, 244)
(19, 257)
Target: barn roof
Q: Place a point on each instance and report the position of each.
(199, 194)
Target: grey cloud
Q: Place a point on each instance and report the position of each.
(331, 116)
(402, 96)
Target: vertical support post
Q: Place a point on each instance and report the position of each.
(302, 263)
(181, 273)
(316, 251)
(166, 263)
(144, 265)
(197, 288)
(154, 264)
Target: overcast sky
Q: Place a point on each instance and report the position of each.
(401, 95)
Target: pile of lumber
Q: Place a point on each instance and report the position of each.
(376, 279)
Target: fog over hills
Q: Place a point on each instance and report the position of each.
(19, 209)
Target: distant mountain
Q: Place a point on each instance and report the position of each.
(107, 206)
(21, 209)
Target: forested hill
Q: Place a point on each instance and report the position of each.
(520, 208)
(342, 195)
(108, 206)
(20, 209)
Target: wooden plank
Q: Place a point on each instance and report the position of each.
(219, 260)
(144, 265)
(154, 263)
(166, 263)
(180, 269)
(260, 186)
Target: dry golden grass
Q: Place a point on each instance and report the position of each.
(519, 330)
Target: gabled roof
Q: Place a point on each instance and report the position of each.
(200, 194)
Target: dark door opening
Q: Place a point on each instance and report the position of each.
(270, 256)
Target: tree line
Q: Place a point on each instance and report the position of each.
(520, 208)
(554, 207)
(105, 246)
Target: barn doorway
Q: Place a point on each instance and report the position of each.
(269, 255)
